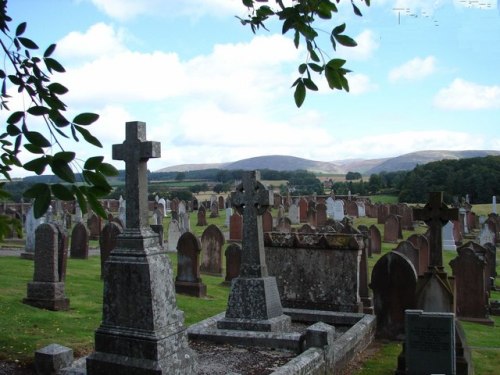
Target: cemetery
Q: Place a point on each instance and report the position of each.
(270, 285)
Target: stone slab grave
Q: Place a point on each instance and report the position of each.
(142, 330)
(319, 348)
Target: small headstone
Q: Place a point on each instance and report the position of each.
(351, 208)
(284, 225)
(391, 229)
(293, 213)
(229, 212)
(429, 343)
(202, 217)
(184, 222)
(214, 209)
(303, 207)
(235, 227)
(411, 252)
(107, 241)
(321, 214)
(212, 241)
(329, 207)
(233, 262)
(30, 226)
(188, 279)
(448, 239)
(52, 358)
(422, 244)
(220, 202)
(94, 225)
(79, 242)
(375, 240)
(267, 222)
(338, 210)
(174, 233)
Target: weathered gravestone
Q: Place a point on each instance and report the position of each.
(267, 221)
(202, 217)
(94, 225)
(108, 240)
(351, 209)
(188, 279)
(46, 291)
(293, 213)
(229, 212)
(448, 238)
(303, 206)
(30, 226)
(254, 302)
(375, 240)
(284, 225)
(329, 207)
(422, 244)
(79, 242)
(174, 233)
(391, 229)
(434, 292)
(321, 214)
(429, 343)
(214, 209)
(233, 263)
(142, 330)
(412, 253)
(235, 227)
(393, 282)
(338, 210)
(212, 241)
(470, 270)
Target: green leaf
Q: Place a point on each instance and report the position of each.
(300, 93)
(248, 3)
(62, 170)
(33, 149)
(356, 10)
(15, 80)
(107, 169)
(42, 202)
(36, 165)
(95, 205)
(57, 88)
(80, 198)
(296, 39)
(35, 190)
(97, 179)
(49, 51)
(317, 68)
(336, 63)
(302, 68)
(15, 117)
(13, 130)
(310, 84)
(93, 162)
(38, 110)
(85, 118)
(62, 192)
(333, 78)
(346, 40)
(338, 29)
(88, 137)
(324, 11)
(20, 29)
(53, 65)
(37, 139)
(66, 156)
(314, 56)
(27, 43)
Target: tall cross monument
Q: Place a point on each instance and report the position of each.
(254, 303)
(142, 331)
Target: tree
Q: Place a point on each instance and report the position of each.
(180, 176)
(352, 176)
(300, 19)
(30, 76)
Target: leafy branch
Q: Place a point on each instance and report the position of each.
(299, 19)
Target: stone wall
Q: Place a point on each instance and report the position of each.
(316, 271)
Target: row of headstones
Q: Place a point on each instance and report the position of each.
(395, 275)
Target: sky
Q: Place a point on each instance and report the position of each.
(425, 76)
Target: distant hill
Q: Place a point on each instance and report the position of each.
(364, 166)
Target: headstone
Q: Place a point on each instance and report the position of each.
(202, 217)
(329, 207)
(142, 330)
(52, 359)
(233, 262)
(321, 214)
(267, 221)
(174, 233)
(422, 244)
(94, 225)
(486, 235)
(303, 207)
(46, 291)
(375, 240)
(448, 239)
(284, 225)
(122, 212)
(212, 241)
(214, 209)
(391, 229)
(294, 214)
(393, 282)
(361, 209)
(429, 343)
(338, 210)
(412, 253)
(79, 242)
(30, 226)
(236, 227)
(254, 302)
(184, 222)
(471, 285)
(220, 202)
(351, 208)
(158, 229)
(108, 240)
(281, 212)
(188, 280)
(494, 204)
(229, 212)
(163, 204)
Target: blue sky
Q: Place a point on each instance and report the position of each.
(425, 76)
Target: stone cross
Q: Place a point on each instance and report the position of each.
(136, 151)
(435, 214)
(252, 199)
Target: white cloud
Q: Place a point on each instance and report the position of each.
(367, 45)
(467, 95)
(413, 70)
(360, 83)
(126, 9)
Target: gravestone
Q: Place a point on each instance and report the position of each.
(174, 233)
(351, 209)
(254, 302)
(338, 210)
(79, 242)
(486, 235)
(46, 291)
(212, 241)
(229, 212)
(184, 222)
(281, 213)
(311, 214)
(142, 330)
(303, 206)
(321, 214)
(284, 225)
(429, 343)
(267, 221)
(233, 262)
(382, 213)
(220, 202)
(30, 226)
(163, 205)
(329, 207)
(94, 225)
(235, 227)
(108, 240)
(434, 292)
(422, 244)
(361, 209)
(393, 282)
(448, 239)
(391, 229)
(294, 214)
(122, 212)
(202, 217)
(188, 280)
(375, 240)
(158, 229)
(214, 209)
(412, 253)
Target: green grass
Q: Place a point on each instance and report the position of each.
(383, 198)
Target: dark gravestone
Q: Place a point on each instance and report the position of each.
(422, 244)
(254, 302)
(233, 263)
(406, 214)
(214, 209)
(220, 202)
(411, 252)
(267, 221)
(321, 214)
(393, 282)
(235, 227)
(351, 208)
(212, 241)
(46, 291)
(382, 213)
(470, 285)
(284, 225)
(188, 279)
(311, 213)
(429, 343)
(94, 225)
(107, 241)
(375, 240)
(492, 262)
(79, 242)
(202, 217)
(142, 330)
(303, 206)
(391, 229)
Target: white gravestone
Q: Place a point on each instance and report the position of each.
(338, 209)
(448, 239)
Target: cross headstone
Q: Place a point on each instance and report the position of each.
(435, 214)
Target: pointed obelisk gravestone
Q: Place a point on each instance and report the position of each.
(254, 302)
(434, 292)
(142, 330)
